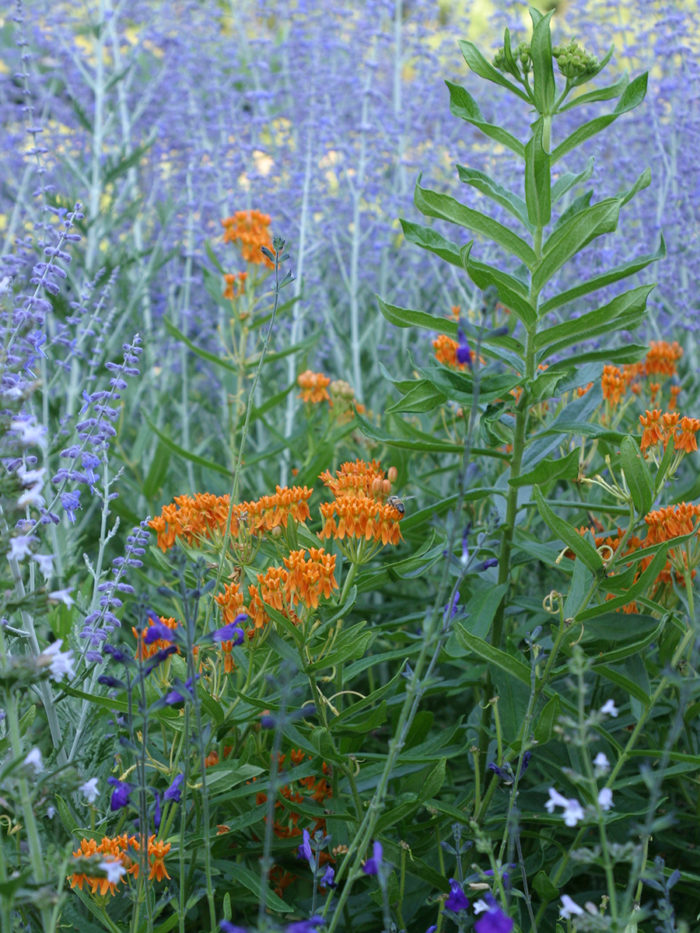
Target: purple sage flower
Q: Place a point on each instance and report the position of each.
(174, 792)
(120, 794)
(373, 865)
(457, 899)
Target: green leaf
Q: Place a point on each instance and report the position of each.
(198, 351)
(632, 97)
(463, 105)
(157, 472)
(549, 470)
(251, 880)
(582, 548)
(482, 608)
(419, 440)
(611, 637)
(434, 204)
(568, 239)
(547, 720)
(544, 85)
(404, 317)
(185, 454)
(567, 181)
(625, 683)
(637, 474)
(579, 587)
(597, 94)
(486, 70)
(492, 655)
(422, 396)
(629, 354)
(484, 183)
(537, 178)
(545, 888)
(511, 291)
(645, 581)
(617, 314)
(430, 239)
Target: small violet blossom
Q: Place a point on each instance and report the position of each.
(605, 798)
(373, 865)
(61, 596)
(230, 632)
(327, 879)
(89, 790)
(569, 908)
(227, 927)
(120, 794)
(306, 926)
(573, 811)
(304, 850)
(20, 546)
(174, 792)
(457, 899)
(608, 708)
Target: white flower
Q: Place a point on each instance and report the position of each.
(113, 869)
(19, 547)
(62, 596)
(89, 790)
(480, 906)
(51, 811)
(573, 811)
(569, 907)
(34, 759)
(601, 764)
(45, 562)
(33, 481)
(609, 708)
(605, 798)
(60, 662)
(29, 432)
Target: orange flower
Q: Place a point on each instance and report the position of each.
(191, 517)
(582, 390)
(235, 285)
(108, 849)
(685, 438)
(653, 429)
(446, 351)
(661, 358)
(156, 853)
(675, 391)
(313, 387)
(671, 521)
(270, 512)
(250, 229)
(360, 517)
(308, 580)
(357, 478)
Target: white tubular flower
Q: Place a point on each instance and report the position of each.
(569, 908)
(605, 799)
(89, 790)
(609, 708)
(35, 760)
(60, 662)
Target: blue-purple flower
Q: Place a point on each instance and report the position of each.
(491, 917)
(304, 850)
(373, 865)
(120, 794)
(306, 926)
(174, 792)
(456, 899)
(231, 632)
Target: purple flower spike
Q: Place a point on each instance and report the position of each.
(158, 632)
(457, 899)
(304, 850)
(230, 632)
(464, 354)
(120, 794)
(372, 865)
(174, 792)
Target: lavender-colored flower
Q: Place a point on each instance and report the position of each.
(609, 709)
(114, 870)
(569, 907)
(464, 354)
(156, 631)
(89, 790)
(306, 926)
(327, 878)
(601, 764)
(20, 546)
(35, 760)
(605, 798)
(180, 693)
(60, 662)
(573, 811)
(373, 865)
(304, 850)
(231, 632)
(174, 792)
(120, 794)
(456, 899)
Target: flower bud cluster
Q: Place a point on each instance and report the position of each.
(574, 62)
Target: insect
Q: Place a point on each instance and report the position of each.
(397, 503)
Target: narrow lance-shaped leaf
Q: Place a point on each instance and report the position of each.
(632, 97)
(430, 239)
(544, 86)
(434, 204)
(567, 181)
(510, 291)
(602, 93)
(583, 549)
(405, 317)
(463, 105)
(484, 183)
(537, 179)
(636, 470)
(486, 70)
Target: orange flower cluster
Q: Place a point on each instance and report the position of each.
(360, 508)
(119, 849)
(446, 351)
(660, 361)
(314, 387)
(198, 516)
(235, 285)
(144, 651)
(660, 427)
(317, 788)
(251, 230)
(301, 580)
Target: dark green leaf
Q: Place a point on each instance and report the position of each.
(484, 183)
(569, 180)
(434, 204)
(486, 70)
(544, 86)
(629, 354)
(186, 454)
(492, 655)
(463, 105)
(547, 471)
(582, 548)
(537, 178)
(620, 680)
(404, 317)
(597, 94)
(547, 719)
(632, 96)
(430, 239)
(637, 474)
(422, 396)
(511, 291)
